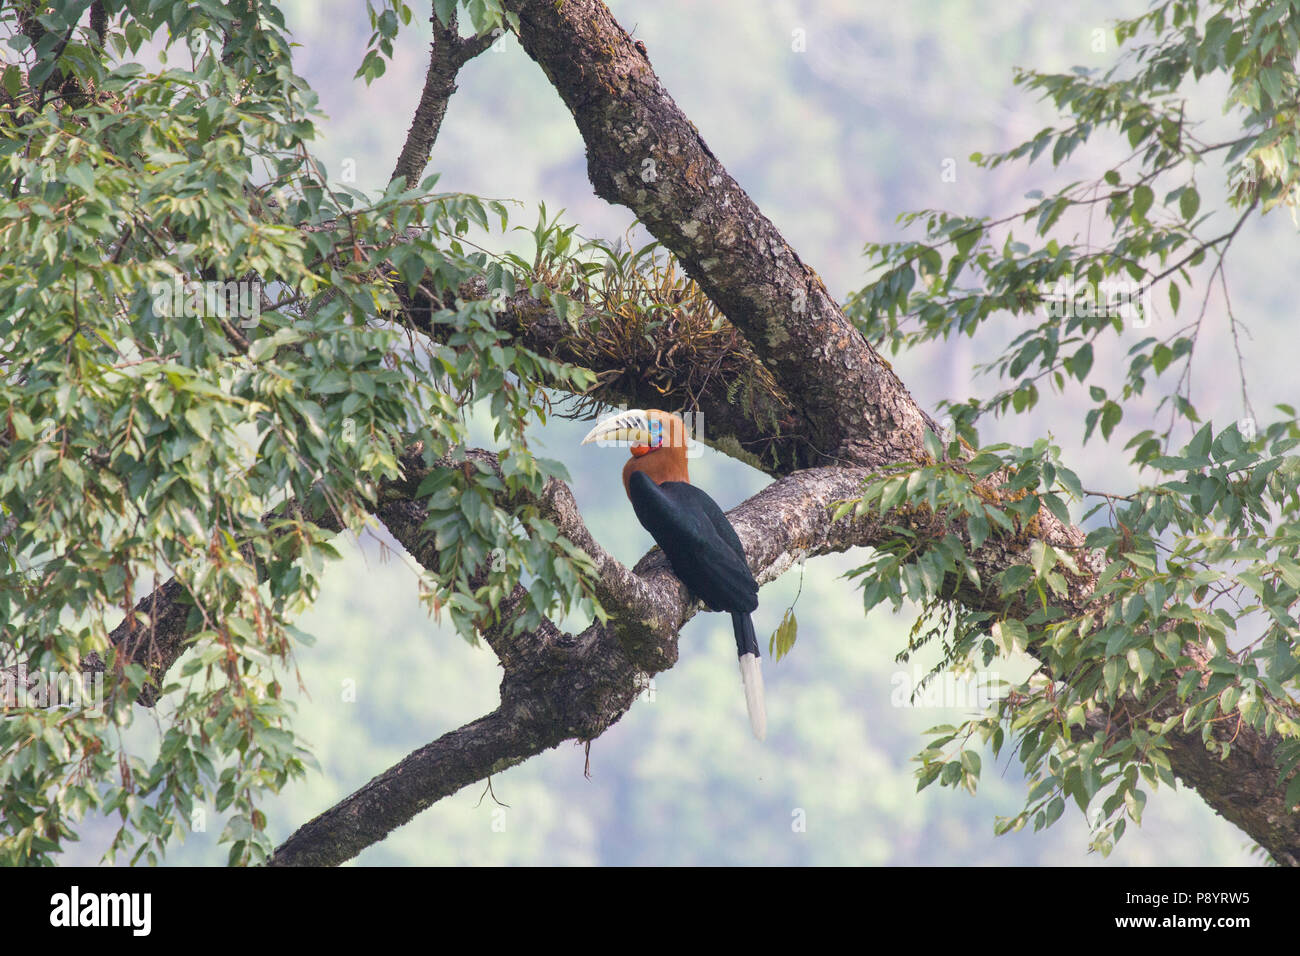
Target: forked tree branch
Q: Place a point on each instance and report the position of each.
(558, 686)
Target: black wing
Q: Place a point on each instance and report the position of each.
(699, 541)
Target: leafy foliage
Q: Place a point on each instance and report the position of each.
(204, 378)
(1201, 552)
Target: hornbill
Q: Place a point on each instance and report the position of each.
(701, 545)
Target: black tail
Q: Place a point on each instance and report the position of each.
(746, 639)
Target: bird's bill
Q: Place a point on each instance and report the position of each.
(630, 427)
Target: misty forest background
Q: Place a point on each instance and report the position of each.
(877, 116)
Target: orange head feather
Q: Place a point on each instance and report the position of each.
(663, 458)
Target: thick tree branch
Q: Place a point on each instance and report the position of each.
(558, 686)
(436, 770)
(643, 153)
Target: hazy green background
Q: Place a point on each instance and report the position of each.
(832, 143)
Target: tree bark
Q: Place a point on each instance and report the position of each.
(447, 55)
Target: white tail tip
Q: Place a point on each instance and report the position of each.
(751, 674)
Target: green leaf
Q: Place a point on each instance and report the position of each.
(782, 640)
(1080, 364)
(1143, 197)
(1111, 413)
(1011, 635)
